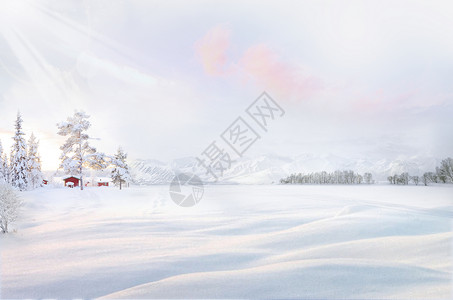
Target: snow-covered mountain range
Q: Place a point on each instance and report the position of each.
(267, 169)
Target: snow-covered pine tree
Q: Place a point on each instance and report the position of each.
(18, 158)
(3, 166)
(34, 163)
(77, 154)
(120, 173)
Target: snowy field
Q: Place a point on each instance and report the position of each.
(365, 242)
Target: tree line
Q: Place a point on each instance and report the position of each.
(442, 174)
(337, 177)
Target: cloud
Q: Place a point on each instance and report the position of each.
(404, 101)
(258, 64)
(212, 50)
(268, 69)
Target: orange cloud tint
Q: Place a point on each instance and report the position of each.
(212, 48)
(267, 68)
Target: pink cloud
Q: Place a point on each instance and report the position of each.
(212, 50)
(266, 67)
(259, 65)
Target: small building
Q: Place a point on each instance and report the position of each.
(71, 181)
(45, 181)
(103, 182)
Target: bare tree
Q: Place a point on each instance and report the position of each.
(433, 177)
(415, 179)
(337, 177)
(396, 179)
(359, 179)
(425, 178)
(390, 179)
(404, 178)
(368, 178)
(446, 169)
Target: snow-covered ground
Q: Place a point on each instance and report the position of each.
(267, 241)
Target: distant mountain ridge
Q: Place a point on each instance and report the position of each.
(266, 169)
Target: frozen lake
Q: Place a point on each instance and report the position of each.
(270, 241)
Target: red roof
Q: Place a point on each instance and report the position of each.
(71, 176)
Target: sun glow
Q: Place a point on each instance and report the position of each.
(15, 12)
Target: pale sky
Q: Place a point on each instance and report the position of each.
(163, 79)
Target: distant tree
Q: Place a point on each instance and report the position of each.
(34, 163)
(415, 179)
(432, 177)
(337, 177)
(18, 158)
(359, 179)
(396, 179)
(404, 178)
(77, 154)
(446, 169)
(299, 178)
(348, 176)
(390, 179)
(10, 204)
(368, 177)
(441, 176)
(120, 173)
(425, 178)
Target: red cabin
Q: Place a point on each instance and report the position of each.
(44, 181)
(71, 181)
(103, 182)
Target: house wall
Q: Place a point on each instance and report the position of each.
(73, 180)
